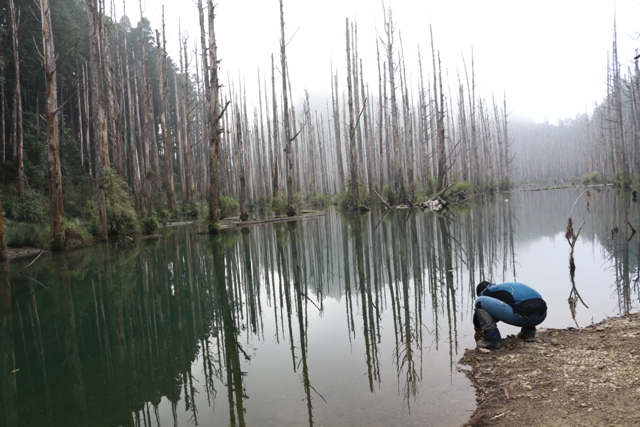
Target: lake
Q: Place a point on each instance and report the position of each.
(330, 321)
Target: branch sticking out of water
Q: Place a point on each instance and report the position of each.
(569, 234)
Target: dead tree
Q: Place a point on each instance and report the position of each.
(352, 205)
(164, 114)
(215, 130)
(287, 127)
(398, 174)
(439, 111)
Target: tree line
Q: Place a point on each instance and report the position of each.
(102, 103)
(603, 146)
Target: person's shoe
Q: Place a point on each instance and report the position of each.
(493, 346)
(526, 338)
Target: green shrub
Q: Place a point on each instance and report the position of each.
(72, 233)
(460, 191)
(164, 216)
(344, 199)
(32, 208)
(121, 215)
(228, 207)
(390, 195)
(190, 209)
(149, 224)
(279, 203)
(593, 178)
(320, 200)
(22, 235)
(202, 209)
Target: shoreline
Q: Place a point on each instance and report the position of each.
(567, 377)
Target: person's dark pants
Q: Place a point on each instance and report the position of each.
(489, 311)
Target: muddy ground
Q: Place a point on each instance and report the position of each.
(568, 377)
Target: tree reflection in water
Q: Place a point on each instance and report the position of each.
(119, 333)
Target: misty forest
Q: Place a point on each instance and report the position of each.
(194, 230)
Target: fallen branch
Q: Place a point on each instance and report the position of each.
(31, 263)
(441, 192)
(381, 199)
(506, 393)
(409, 201)
(499, 415)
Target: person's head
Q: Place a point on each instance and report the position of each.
(481, 287)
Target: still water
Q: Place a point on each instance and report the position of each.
(330, 321)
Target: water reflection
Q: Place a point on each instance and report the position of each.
(331, 321)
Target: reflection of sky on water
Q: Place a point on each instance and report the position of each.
(544, 264)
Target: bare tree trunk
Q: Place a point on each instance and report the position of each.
(471, 91)
(3, 109)
(215, 131)
(188, 151)
(353, 168)
(134, 140)
(17, 100)
(276, 134)
(398, 175)
(55, 175)
(99, 118)
(163, 89)
(439, 106)
(240, 142)
(206, 123)
(3, 239)
(335, 100)
(110, 100)
(149, 135)
(287, 130)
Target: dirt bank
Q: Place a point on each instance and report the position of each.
(568, 377)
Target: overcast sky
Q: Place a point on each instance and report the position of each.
(550, 56)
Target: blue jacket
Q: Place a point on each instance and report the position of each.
(525, 301)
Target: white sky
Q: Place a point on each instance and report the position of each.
(549, 56)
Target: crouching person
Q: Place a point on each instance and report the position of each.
(513, 303)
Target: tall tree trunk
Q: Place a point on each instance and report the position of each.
(17, 134)
(214, 119)
(53, 156)
(398, 175)
(240, 142)
(164, 114)
(99, 117)
(287, 131)
(149, 134)
(439, 106)
(276, 133)
(335, 101)
(3, 239)
(188, 150)
(353, 167)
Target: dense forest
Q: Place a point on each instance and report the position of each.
(131, 136)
